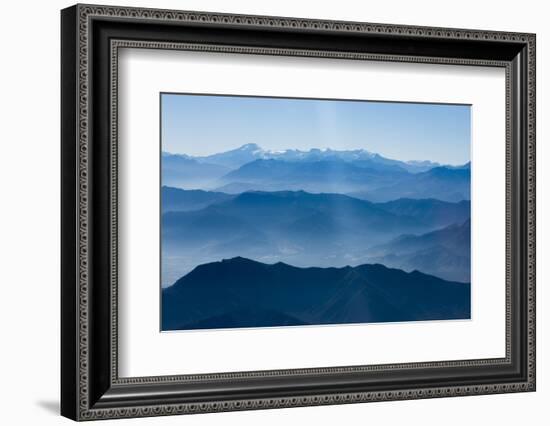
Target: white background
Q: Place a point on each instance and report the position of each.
(146, 352)
(29, 225)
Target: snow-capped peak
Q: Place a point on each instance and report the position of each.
(250, 147)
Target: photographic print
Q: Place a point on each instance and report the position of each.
(293, 212)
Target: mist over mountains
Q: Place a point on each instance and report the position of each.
(319, 229)
(443, 253)
(329, 225)
(307, 229)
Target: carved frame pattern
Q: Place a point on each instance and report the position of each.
(85, 13)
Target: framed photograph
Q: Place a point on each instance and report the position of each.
(263, 212)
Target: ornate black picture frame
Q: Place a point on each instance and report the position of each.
(90, 38)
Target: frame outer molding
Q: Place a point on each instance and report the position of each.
(76, 402)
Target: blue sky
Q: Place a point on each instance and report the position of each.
(201, 125)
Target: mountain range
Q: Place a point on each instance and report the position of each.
(175, 199)
(240, 292)
(301, 228)
(431, 211)
(444, 183)
(247, 153)
(444, 253)
(185, 172)
(332, 176)
(299, 218)
(370, 239)
(359, 173)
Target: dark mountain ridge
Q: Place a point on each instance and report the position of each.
(241, 292)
